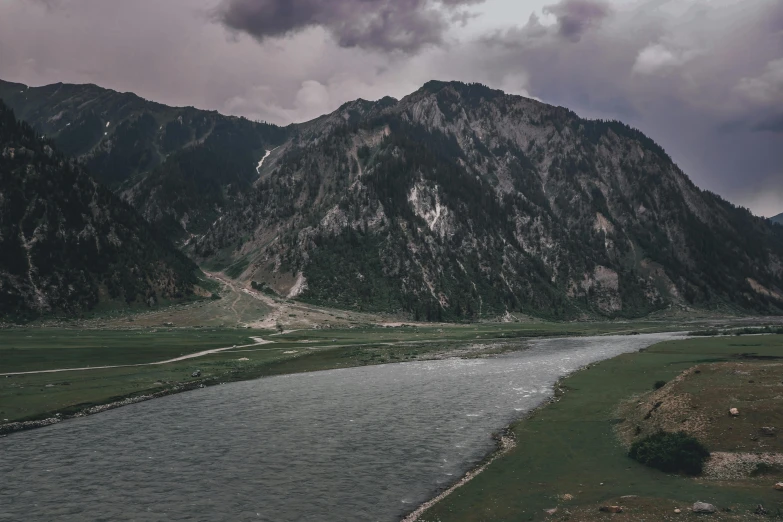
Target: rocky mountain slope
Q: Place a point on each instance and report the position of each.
(459, 202)
(178, 166)
(456, 202)
(68, 244)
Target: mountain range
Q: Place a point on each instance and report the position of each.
(456, 202)
(777, 219)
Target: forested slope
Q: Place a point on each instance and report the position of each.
(179, 166)
(68, 243)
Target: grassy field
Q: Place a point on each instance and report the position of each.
(233, 309)
(33, 349)
(570, 448)
(41, 395)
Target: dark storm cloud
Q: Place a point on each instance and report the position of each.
(773, 124)
(574, 17)
(386, 25)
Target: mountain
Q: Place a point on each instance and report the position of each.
(459, 202)
(777, 219)
(68, 243)
(178, 166)
(455, 203)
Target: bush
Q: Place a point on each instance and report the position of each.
(670, 452)
(659, 384)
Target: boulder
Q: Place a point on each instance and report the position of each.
(703, 507)
(567, 497)
(779, 486)
(610, 509)
(550, 511)
(767, 431)
(197, 373)
(734, 412)
(678, 511)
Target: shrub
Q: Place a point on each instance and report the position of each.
(670, 452)
(659, 384)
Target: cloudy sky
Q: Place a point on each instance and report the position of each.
(704, 78)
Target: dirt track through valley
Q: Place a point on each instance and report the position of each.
(258, 342)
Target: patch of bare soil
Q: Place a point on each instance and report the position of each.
(734, 408)
(739, 466)
(667, 409)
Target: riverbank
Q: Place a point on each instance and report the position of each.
(568, 460)
(126, 375)
(506, 442)
(267, 362)
(12, 427)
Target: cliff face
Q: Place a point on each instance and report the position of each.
(459, 201)
(68, 243)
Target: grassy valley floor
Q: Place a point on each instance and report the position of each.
(569, 456)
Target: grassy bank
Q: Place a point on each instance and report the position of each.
(34, 349)
(570, 448)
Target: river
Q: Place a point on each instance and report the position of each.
(359, 444)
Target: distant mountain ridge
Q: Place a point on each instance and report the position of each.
(178, 166)
(457, 202)
(777, 219)
(68, 243)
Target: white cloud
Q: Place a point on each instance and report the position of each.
(516, 83)
(767, 87)
(657, 57)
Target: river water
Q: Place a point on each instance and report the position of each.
(363, 444)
